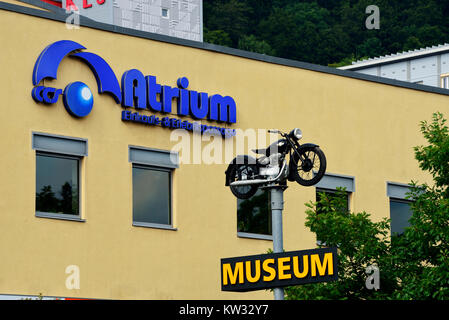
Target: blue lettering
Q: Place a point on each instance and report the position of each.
(144, 92)
(47, 95)
(36, 93)
(222, 109)
(198, 104)
(126, 115)
(51, 95)
(183, 102)
(182, 83)
(134, 89)
(168, 94)
(166, 122)
(153, 90)
(174, 123)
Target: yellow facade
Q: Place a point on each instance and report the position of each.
(367, 129)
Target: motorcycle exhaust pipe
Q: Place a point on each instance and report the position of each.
(259, 181)
(249, 182)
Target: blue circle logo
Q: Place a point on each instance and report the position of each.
(78, 99)
(183, 83)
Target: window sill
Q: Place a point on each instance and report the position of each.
(154, 226)
(59, 216)
(255, 236)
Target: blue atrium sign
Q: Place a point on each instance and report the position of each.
(137, 91)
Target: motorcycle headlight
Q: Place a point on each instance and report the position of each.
(297, 133)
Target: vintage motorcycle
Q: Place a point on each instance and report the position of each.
(307, 165)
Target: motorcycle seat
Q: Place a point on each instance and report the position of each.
(260, 151)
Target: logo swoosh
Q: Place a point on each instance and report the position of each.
(106, 79)
(48, 61)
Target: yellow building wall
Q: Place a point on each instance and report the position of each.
(366, 129)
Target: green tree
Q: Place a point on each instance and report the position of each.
(301, 31)
(360, 243)
(251, 43)
(219, 37)
(327, 31)
(67, 201)
(231, 16)
(424, 247)
(46, 200)
(414, 265)
(370, 47)
(412, 42)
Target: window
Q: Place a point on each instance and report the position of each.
(58, 166)
(400, 213)
(331, 194)
(164, 12)
(151, 195)
(329, 184)
(400, 207)
(444, 81)
(152, 187)
(57, 184)
(254, 216)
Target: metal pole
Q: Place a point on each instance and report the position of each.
(277, 205)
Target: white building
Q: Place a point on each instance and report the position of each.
(428, 66)
(176, 18)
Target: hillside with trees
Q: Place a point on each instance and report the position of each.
(326, 32)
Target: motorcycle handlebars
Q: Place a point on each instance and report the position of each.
(276, 131)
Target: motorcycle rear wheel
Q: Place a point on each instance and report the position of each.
(240, 172)
(310, 171)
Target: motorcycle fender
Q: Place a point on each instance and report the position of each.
(307, 145)
(242, 159)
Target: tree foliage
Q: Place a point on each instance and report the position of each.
(325, 31)
(423, 250)
(413, 265)
(65, 202)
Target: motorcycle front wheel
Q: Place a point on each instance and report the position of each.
(240, 172)
(310, 168)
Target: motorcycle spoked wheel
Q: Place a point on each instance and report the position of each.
(240, 172)
(312, 169)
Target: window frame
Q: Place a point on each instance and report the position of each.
(61, 216)
(397, 200)
(397, 192)
(63, 147)
(329, 183)
(168, 13)
(334, 191)
(170, 195)
(59, 144)
(444, 76)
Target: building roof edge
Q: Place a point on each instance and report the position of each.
(59, 14)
